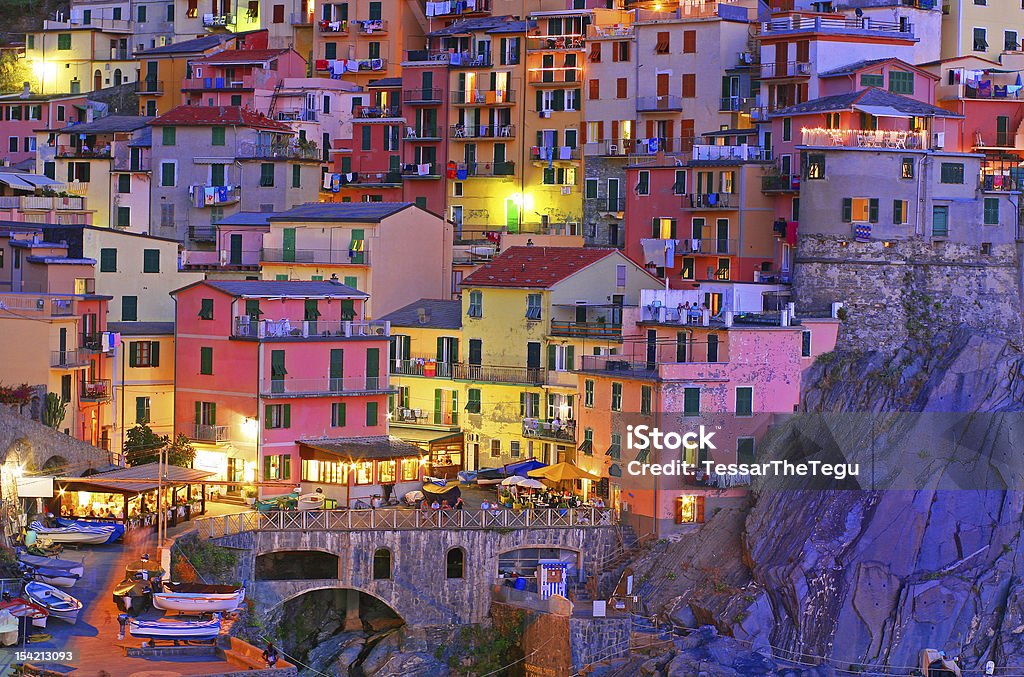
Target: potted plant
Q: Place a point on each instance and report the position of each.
(250, 495)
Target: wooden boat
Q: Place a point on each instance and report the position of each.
(62, 572)
(57, 603)
(173, 629)
(81, 535)
(198, 598)
(22, 608)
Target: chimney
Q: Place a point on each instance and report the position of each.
(423, 315)
(26, 90)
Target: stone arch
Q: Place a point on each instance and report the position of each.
(383, 564)
(455, 562)
(324, 585)
(54, 463)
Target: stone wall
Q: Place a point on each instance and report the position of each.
(419, 590)
(911, 288)
(31, 444)
(598, 639)
(595, 223)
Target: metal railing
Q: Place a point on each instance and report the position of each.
(423, 95)
(656, 103)
(709, 201)
(374, 112)
(737, 104)
(413, 171)
(586, 329)
(454, 8)
(421, 366)
(557, 76)
(785, 69)
(202, 233)
(301, 19)
(218, 82)
(148, 86)
(564, 431)
(482, 97)
(498, 374)
(209, 433)
(458, 59)
(58, 306)
(102, 151)
(95, 391)
(482, 131)
(246, 327)
(546, 153)
(422, 133)
(69, 358)
(487, 168)
(339, 256)
(125, 163)
(276, 152)
(707, 245)
(297, 115)
(773, 183)
(333, 26)
(823, 24)
(739, 153)
(73, 202)
(370, 26)
(867, 138)
(287, 387)
(553, 43)
(398, 518)
(218, 20)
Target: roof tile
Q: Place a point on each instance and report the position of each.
(534, 267)
(201, 116)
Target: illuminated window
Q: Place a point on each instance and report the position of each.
(907, 168)
(386, 471)
(410, 469)
(363, 472)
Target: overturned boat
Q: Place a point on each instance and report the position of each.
(79, 533)
(57, 603)
(116, 527)
(198, 598)
(172, 629)
(62, 572)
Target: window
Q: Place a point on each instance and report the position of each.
(206, 309)
(367, 138)
(940, 221)
(129, 308)
(662, 46)
(170, 136)
(267, 174)
(620, 51)
(1010, 41)
(643, 185)
(296, 176)
(805, 344)
(991, 211)
(142, 14)
(123, 219)
(381, 559)
(901, 82)
(980, 40)
(278, 17)
(899, 212)
(787, 129)
(144, 354)
(691, 401)
(170, 13)
(907, 168)
(533, 306)
(621, 88)
(64, 41)
(12, 144)
(815, 166)
(108, 260)
(588, 393)
(371, 414)
(168, 173)
(860, 210)
(217, 136)
(495, 448)
(867, 80)
(514, 448)
(744, 401)
(473, 401)
(330, 50)
(278, 466)
(952, 172)
(206, 361)
(833, 121)
(31, 44)
(476, 304)
(142, 410)
(151, 260)
(278, 416)
(587, 447)
(363, 472)
(745, 450)
(124, 183)
(455, 563)
(616, 397)
(337, 414)
(593, 93)
(689, 42)
(79, 171)
(615, 448)
(646, 396)
(620, 275)
(689, 85)
(65, 387)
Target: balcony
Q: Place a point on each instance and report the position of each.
(381, 113)
(862, 26)
(605, 330)
(297, 115)
(246, 327)
(84, 151)
(69, 359)
(482, 131)
(332, 256)
(107, 25)
(861, 138)
(375, 179)
(737, 104)
(453, 8)
(485, 169)
(428, 95)
(611, 148)
(311, 387)
(42, 203)
(424, 365)
(458, 59)
(212, 196)
(301, 19)
(123, 163)
(421, 134)
(707, 246)
(218, 83)
(253, 151)
(95, 391)
(595, 32)
(218, 20)
(425, 170)
(202, 233)
(665, 102)
(338, 27)
(496, 374)
(209, 433)
(774, 183)
(741, 153)
(554, 153)
(443, 417)
(562, 431)
(610, 205)
(556, 77)
(785, 69)
(149, 86)
(119, 54)
(998, 183)
(371, 26)
(483, 97)
(555, 43)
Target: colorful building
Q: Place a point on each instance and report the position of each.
(143, 379)
(78, 56)
(31, 198)
(241, 77)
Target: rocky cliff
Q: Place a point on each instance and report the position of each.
(922, 549)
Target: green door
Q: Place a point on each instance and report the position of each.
(288, 245)
(372, 368)
(337, 376)
(356, 249)
(277, 371)
(311, 315)
(236, 249)
(511, 216)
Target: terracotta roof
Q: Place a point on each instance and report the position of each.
(535, 267)
(201, 116)
(243, 55)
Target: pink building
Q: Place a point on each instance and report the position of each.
(234, 249)
(732, 376)
(241, 77)
(23, 199)
(25, 113)
(263, 366)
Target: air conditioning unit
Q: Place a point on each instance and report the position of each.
(545, 114)
(939, 139)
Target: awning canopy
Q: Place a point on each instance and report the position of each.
(382, 447)
(881, 111)
(24, 181)
(134, 480)
(424, 436)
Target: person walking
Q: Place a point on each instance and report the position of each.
(270, 655)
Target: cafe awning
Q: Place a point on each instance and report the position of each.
(134, 480)
(380, 448)
(881, 111)
(424, 436)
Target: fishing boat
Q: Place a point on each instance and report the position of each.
(77, 534)
(62, 572)
(173, 629)
(57, 603)
(116, 527)
(197, 598)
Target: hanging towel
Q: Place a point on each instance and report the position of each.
(791, 233)
(423, 170)
(327, 181)
(564, 153)
(352, 66)
(335, 182)
(320, 64)
(209, 195)
(115, 339)
(670, 253)
(376, 64)
(222, 194)
(105, 342)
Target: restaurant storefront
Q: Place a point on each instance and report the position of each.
(358, 469)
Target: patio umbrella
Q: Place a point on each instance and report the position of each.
(563, 471)
(530, 483)
(513, 480)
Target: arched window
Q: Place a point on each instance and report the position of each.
(455, 563)
(381, 564)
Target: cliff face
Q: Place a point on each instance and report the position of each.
(925, 549)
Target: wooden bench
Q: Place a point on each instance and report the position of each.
(247, 656)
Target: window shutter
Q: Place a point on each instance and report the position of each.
(213, 413)
(504, 51)
(199, 411)
(897, 212)
(266, 468)
(655, 228)
(847, 209)
(287, 415)
(551, 358)
(540, 100)
(286, 465)
(559, 99)
(133, 354)
(455, 351)
(140, 409)
(154, 354)
(440, 348)
(873, 210)
(570, 358)
(522, 405)
(437, 406)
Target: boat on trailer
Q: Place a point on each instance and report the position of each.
(176, 630)
(197, 598)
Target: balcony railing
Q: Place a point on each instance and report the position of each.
(556, 76)
(217, 83)
(869, 138)
(246, 327)
(92, 342)
(457, 8)
(375, 112)
(657, 103)
(123, 163)
(39, 202)
(458, 59)
(68, 359)
(427, 366)
(483, 97)
(741, 153)
(486, 169)
(440, 417)
(607, 204)
(95, 391)
(218, 20)
(555, 43)
(297, 115)
(737, 104)
(601, 32)
(561, 431)
(102, 151)
(202, 233)
(423, 95)
(482, 131)
(422, 134)
(998, 183)
(426, 170)
(334, 256)
(209, 433)
(772, 183)
(211, 196)
(552, 153)
(301, 19)
(586, 329)
(823, 24)
(709, 201)
(785, 69)
(249, 150)
(371, 26)
(333, 27)
(149, 86)
(707, 246)
(289, 387)
(496, 374)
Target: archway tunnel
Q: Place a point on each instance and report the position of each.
(296, 565)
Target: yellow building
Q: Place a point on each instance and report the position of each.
(143, 378)
(76, 58)
(162, 69)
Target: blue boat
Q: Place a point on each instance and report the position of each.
(116, 527)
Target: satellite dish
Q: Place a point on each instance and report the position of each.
(859, 13)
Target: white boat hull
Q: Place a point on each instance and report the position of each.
(57, 603)
(175, 630)
(198, 603)
(83, 537)
(59, 581)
